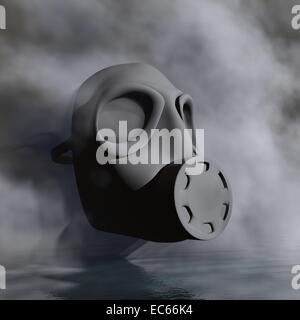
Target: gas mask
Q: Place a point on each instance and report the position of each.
(153, 201)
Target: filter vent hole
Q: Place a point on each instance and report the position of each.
(223, 180)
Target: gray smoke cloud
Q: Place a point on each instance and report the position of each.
(238, 60)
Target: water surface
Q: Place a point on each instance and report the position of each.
(252, 274)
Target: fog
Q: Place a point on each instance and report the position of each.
(239, 62)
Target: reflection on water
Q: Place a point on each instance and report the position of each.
(256, 274)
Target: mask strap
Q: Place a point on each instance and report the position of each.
(60, 154)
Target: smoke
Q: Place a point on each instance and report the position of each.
(239, 61)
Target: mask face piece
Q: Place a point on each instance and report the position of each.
(159, 201)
